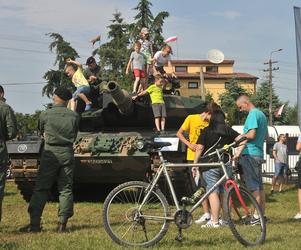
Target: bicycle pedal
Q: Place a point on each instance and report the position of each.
(179, 238)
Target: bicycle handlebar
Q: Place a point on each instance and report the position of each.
(226, 147)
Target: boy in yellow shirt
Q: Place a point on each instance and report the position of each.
(193, 125)
(156, 94)
(80, 82)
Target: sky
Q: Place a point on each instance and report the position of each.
(245, 31)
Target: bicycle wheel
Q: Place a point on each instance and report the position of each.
(245, 217)
(130, 227)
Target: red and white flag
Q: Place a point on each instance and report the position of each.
(278, 112)
(171, 39)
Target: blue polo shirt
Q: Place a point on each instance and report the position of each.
(255, 120)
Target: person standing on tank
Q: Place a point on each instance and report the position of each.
(59, 127)
(8, 131)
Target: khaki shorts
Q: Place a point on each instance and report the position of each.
(159, 110)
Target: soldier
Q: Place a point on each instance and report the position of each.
(8, 131)
(59, 127)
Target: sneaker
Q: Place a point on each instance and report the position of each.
(205, 217)
(297, 216)
(88, 107)
(223, 223)
(30, 229)
(210, 224)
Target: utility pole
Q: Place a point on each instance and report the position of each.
(270, 70)
(202, 83)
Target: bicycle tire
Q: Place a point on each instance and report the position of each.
(248, 228)
(120, 212)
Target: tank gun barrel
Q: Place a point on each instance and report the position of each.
(121, 98)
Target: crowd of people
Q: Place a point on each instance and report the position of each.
(206, 132)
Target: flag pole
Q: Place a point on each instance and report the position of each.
(177, 50)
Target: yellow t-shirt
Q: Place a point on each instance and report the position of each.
(193, 124)
(156, 94)
(79, 79)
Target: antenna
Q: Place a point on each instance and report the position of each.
(215, 56)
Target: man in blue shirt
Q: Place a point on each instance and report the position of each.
(255, 130)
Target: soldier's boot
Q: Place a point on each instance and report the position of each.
(31, 228)
(61, 227)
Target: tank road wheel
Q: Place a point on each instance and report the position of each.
(129, 227)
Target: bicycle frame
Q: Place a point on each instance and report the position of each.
(163, 169)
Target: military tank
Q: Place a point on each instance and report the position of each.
(106, 150)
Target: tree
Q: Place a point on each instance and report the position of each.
(56, 78)
(115, 53)
(261, 101)
(228, 102)
(291, 115)
(145, 18)
(27, 123)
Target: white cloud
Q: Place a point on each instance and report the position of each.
(230, 15)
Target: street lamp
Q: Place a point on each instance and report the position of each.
(271, 84)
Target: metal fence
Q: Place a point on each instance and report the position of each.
(268, 168)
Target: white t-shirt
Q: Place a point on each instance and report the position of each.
(161, 60)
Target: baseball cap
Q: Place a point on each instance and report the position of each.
(90, 60)
(63, 93)
(145, 30)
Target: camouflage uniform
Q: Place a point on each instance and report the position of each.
(8, 131)
(59, 126)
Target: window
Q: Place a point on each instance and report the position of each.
(193, 85)
(181, 68)
(212, 68)
(227, 85)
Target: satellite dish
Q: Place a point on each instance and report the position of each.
(215, 56)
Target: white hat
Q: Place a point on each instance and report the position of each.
(145, 30)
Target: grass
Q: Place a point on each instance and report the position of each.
(86, 229)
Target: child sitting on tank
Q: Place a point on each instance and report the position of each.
(158, 105)
(80, 82)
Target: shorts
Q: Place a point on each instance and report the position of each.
(251, 166)
(81, 90)
(213, 175)
(139, 73)
(159, 110)
(160, 69)
(280, 169)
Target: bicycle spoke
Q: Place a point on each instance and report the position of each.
(126, 224)
(245, 218)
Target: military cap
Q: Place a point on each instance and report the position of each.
(63, 93)
(90, 60)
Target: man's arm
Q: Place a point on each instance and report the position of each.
(11, 124)
(298, 146)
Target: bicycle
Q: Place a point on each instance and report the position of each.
(137, 213)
